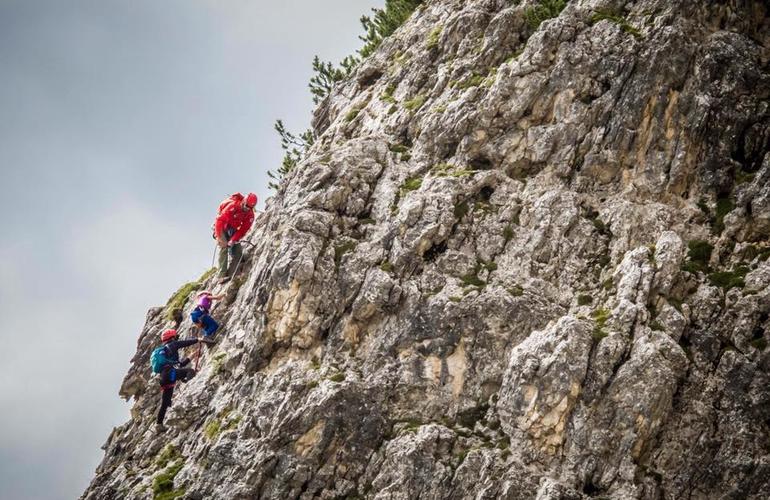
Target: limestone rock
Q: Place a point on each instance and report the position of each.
(538, 270)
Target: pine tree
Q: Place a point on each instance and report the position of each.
(294, 148)
(376, 28)
(384, 23)
(326, 75)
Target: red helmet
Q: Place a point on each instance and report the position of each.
(251, 200)
(167, 335)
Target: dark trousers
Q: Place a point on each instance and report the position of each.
(168, 378)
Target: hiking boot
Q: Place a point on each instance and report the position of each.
(208, 340)
(223, 279)
(160, 428)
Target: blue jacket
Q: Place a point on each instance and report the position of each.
(172, 350)
(198, 313)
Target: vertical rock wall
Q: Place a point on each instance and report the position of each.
(521, 261)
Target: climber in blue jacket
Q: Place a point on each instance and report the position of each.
(171, 369)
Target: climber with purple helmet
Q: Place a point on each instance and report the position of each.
(202, 319)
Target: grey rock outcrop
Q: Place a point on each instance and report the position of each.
(519, 262)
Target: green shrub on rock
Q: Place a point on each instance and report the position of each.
(729, 279)
(163, 484)
(698, 256)
(617, 18)
(545, 9)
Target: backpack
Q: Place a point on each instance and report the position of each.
(237, 198)
(160, 358)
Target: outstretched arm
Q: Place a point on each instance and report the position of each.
(210, 295)
(180, 344)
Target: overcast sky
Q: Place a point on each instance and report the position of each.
(123, 123)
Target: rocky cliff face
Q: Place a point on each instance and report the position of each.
(520, 261)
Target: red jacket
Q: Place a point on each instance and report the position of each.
(231, 215)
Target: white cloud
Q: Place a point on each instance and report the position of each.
(131, 252)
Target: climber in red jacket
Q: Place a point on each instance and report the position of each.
(236, 214)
